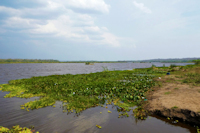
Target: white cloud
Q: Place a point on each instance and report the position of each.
(70, 25)
(110, 39)
(48, 28)
(18, 22)
(10, 11)
(142, 7)
(97, 5)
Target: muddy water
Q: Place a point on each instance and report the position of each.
(52, 120)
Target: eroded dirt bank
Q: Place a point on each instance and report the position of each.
(175, 99)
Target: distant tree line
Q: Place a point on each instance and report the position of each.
(179, 60)
(183, 60)
(28, 61)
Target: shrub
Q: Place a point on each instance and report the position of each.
(197, 62)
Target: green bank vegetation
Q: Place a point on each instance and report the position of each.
(173, 60)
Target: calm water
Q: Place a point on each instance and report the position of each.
(52, 120)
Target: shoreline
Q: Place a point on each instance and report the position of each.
(173, 98)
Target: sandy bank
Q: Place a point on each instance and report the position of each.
(175, 99)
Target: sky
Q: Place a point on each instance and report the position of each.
(102, 30)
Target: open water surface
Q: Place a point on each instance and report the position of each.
(52, 120)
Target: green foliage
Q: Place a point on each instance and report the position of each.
(140, 113)
(16, 129)
(197, 62)
(193, 78)
(82, 91)
(173, 65)
(105, 69)
(153, 66)
(89, 63)
(124, 114)
(166, 93)
(175, 107)
(198, 130)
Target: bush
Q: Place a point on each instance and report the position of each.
(197, 62)
(173, 65)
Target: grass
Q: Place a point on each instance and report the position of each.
(193, 78)
(176, 88)
(166, 93)
(175, 107)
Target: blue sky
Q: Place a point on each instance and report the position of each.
(99, 29)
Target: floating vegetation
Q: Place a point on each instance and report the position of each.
(17, 129)
(140, 113)
(123, 114)
(109, 111)
(98, 126)
(123, 89)
(89, 63)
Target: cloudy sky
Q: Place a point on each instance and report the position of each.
(99, 29)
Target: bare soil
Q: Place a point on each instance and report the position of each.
(175, 99)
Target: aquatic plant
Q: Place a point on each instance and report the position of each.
(105, 69)
(87, 63)
(16, 129)
(123, 89)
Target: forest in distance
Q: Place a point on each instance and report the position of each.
(173, 60)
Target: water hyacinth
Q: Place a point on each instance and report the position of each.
(94, 89)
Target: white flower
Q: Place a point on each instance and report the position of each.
(142, 97)
(73, 92)
(87, 88)
(159, 77)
